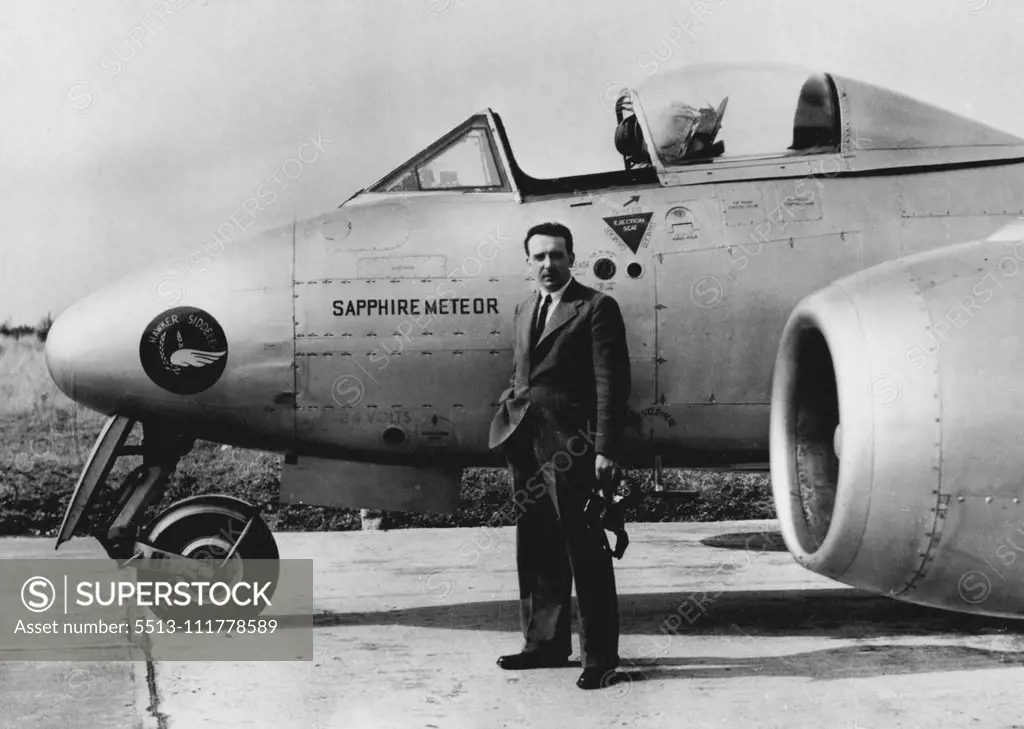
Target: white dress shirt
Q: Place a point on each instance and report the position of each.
(556, 298)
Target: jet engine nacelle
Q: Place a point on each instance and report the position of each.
(897, 428)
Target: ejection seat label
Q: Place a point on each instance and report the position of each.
(631, 229)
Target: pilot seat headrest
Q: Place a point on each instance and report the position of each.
(815, 123)
(629, 139)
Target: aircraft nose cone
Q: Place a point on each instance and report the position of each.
(89, 350)
(62, 342)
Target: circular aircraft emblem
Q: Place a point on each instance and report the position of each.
(184, 350)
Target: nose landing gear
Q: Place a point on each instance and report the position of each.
(208, 536)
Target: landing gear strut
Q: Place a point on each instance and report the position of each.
(206, 535)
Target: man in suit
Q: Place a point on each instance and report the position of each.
(561, 425)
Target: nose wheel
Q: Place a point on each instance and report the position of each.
(231, 543)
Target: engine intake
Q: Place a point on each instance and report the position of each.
(897, 429)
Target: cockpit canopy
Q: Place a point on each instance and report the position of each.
(731, 111)
(721, 116)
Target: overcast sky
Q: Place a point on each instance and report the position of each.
(130, 131)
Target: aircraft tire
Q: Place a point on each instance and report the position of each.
(208, 534)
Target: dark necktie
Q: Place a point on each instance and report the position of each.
(542, 318)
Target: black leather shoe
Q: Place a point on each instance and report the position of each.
(598, 677)
(534, 659)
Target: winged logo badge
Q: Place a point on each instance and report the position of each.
(184, 350)
(195, 357)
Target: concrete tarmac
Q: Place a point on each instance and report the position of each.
(720, 628)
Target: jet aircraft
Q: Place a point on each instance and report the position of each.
(811, 268)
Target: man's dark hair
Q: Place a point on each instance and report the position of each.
(555, 230)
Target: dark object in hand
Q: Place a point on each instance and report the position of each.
(603, 513)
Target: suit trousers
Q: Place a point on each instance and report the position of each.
(554, 544)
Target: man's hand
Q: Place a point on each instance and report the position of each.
(607, 472)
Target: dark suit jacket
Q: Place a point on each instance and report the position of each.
(576, 382)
